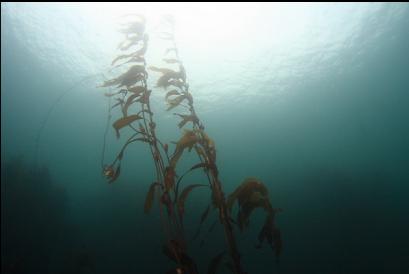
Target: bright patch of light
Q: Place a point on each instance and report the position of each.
(228, 49)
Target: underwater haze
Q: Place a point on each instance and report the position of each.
(311, 98)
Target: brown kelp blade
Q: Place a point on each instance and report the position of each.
(135, 40)
(131, 140)
(174, 251)
(170, 93)
(245, 190)
(187, 118)
(271, 233)
(128, 103)
(122, 56)
(150, 197)
(176, 101)
(144, 99)
(176, 83)
(183, 196)
(122, 122)
(188, 140)
(205, 214)
(199, 165)
(135, 74)
(136, 59)
(202, 219)
(165, 80)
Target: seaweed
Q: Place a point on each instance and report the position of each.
(133, 98)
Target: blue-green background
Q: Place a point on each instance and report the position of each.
(323, 121)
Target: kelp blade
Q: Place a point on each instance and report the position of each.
(150, 197)
(122, 122)
(185, 193)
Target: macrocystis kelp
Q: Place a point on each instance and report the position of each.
(134, 93)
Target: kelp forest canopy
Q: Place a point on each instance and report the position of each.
(131, 95)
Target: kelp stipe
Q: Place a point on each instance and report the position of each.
(134, 92)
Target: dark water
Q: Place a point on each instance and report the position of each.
(314, 102)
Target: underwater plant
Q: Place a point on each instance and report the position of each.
(132, 96)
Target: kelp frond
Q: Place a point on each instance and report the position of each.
(135, 74)
(122, 122)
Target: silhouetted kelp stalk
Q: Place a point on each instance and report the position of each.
(133, 91)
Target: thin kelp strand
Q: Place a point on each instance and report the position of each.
(105, 133)
(52, 107)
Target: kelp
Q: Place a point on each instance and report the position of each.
(111, 174)
(137, 89)
(250, 194)
(132, 41)
(188, 140)
(187, 118)
(135, 74)
(175, 251)
(170, 77)
(137, 25)
(133, 57)
(122, 91)
(123, 122)
(133, 97)
(203, 217)
(271, 233)
(172, 92)
(246, 188)
(128, 102)
(172, 103)
(183, 196)
(150, 196)
(120, 102)
(169, 180)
